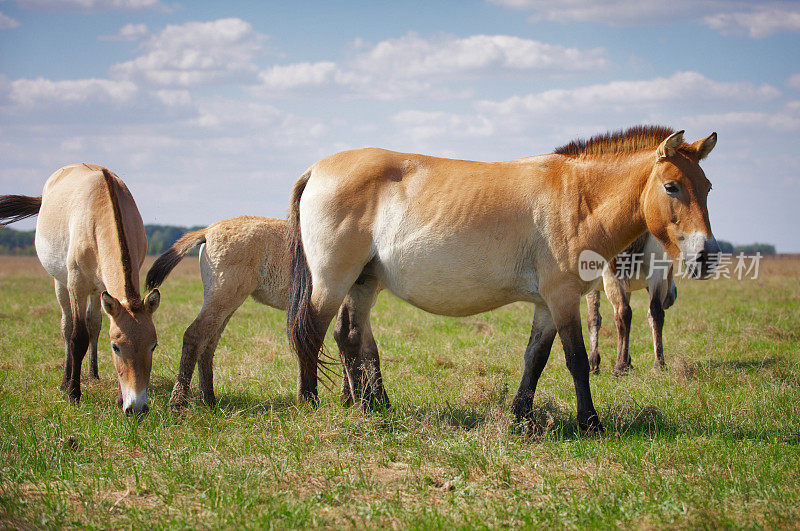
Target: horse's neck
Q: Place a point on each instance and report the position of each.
(119, 278)
(613, 186)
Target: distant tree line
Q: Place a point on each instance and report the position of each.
(159, 239)
(751, 248)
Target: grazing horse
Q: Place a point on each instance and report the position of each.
(456, 237)
(90, 239)
(642, 265)
(239, 257)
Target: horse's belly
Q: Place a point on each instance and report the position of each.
(52, 252)
(458, 286)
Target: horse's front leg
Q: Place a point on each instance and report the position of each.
(94, 320)
(656, 317)
(543, 332)
(618, 297)
(593, 322)
(567, 318)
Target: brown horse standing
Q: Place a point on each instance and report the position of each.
(90, 239)
(458, 237)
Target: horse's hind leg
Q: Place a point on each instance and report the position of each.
(94, 321)
(362, 380)
(62, 294)
(656, 317)
(593, 321)
(543, 332)
(618, 297)
(79, 338)
(205, 367)
(204, 332)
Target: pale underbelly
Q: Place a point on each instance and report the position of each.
(455, 288)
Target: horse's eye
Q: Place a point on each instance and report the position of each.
(115, 348)
(671, 188)
(154, 348)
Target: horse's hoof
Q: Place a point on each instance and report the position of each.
(346, 399)
(209, 399)
(592, 426)
(622, 370)
(75, 395)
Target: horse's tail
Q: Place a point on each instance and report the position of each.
(300, 324)
(165, 263)
(16, 207)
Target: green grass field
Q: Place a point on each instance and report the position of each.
(714, 441)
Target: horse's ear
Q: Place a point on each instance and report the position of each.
(152, 301)
(110, 304)
(670, 145)
(703, 147)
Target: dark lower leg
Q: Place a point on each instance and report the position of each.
(374, 393)
(594, 321)
(78, 344)
(537, 352)
(193, 343)
(656, 317)
(94, 321)
(578, 365)
(622, 318)
(67, 362)
(205, 366)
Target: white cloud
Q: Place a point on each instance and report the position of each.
(298, 75)
(679, 86)
(195, 53)
(794, 81)
(613, 12)
(413, 66)
(27, 92)
(419, 125)
(174, 98)
(758, 23)
(413, 56)
(729, 17)
(127, 33)
(88, 5)
(7, 22)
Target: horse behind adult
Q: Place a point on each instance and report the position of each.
(456, 237)
(90, 239)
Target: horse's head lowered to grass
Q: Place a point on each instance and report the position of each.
(133, 340)
(674, 203)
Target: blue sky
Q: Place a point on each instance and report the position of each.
(211, 109)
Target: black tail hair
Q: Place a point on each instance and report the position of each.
(301, 328)
(165, 263)
(17, 207)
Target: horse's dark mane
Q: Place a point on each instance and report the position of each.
(634, 138)
(131, 293)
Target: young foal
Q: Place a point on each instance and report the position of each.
(90, 239)
(239, 257)
(458, 237)
(654, 273)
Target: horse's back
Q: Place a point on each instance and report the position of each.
(248, 253)
(77, 210)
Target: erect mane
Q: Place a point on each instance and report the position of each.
(628, 140)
